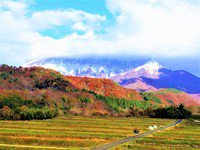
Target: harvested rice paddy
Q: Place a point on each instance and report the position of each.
(185, 136)
(75, 132)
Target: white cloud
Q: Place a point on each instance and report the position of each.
(13, 6)
(20, 37)
(153, 28)
(158, 27)
(50, 18)
(79, 26)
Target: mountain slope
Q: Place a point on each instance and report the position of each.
(173, 96)
(92, 67)
(35, 78)
(140, 75)
(25, 92)
(35, 89)
(105, 87)
(180, 80)
(152, 75)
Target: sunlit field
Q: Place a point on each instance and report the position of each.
(185, 136)
(71, 132)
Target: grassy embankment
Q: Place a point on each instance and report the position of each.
(185, 136)
(71, 132)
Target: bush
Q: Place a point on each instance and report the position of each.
(149, 111)
(4, 75)
(84, 99)
(13, 80)
(26, 114)
(57, 84)
(41, 102)
(6, 113)
(133, 111)
(66, 103)
(11, 101)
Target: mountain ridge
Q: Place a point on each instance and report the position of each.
(38, 79)
(134, 74)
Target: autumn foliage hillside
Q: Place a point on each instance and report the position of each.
(39, 78)
(104, 87)
(176, 97)
(38, 93)
(27, 92)
(33, 78)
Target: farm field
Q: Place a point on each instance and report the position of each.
(185, 136)
(72, 132)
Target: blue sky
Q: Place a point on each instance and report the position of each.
(166, 30)
(90, 6)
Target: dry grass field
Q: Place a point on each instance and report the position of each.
(71, 132)
(185, 136)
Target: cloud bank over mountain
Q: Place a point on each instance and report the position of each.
(150, 28)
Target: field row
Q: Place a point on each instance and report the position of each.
(73, 132)
(185, 136)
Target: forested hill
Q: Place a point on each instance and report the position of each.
(38, 93)
(37, 78)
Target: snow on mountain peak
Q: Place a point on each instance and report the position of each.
(152, 67)
(98, 67)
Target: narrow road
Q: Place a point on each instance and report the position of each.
(104, 147)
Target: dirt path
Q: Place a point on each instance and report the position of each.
(30, 146)
(104, 147)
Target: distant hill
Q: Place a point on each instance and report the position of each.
(37, 78)
(35, 90)
(152, 76)
(27, 92)
(140, 75)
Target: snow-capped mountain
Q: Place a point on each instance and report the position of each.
(152, 76)
(142, 74)
(151, 68)
(91, 67)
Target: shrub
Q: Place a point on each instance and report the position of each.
(84, 99)
(133, 111)
(57, 84)
(6, 113)
(13, 80)
(41, 102)
(66, 103)
(11, 101)
(4, 75)
(149, 111)
(26, 114)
